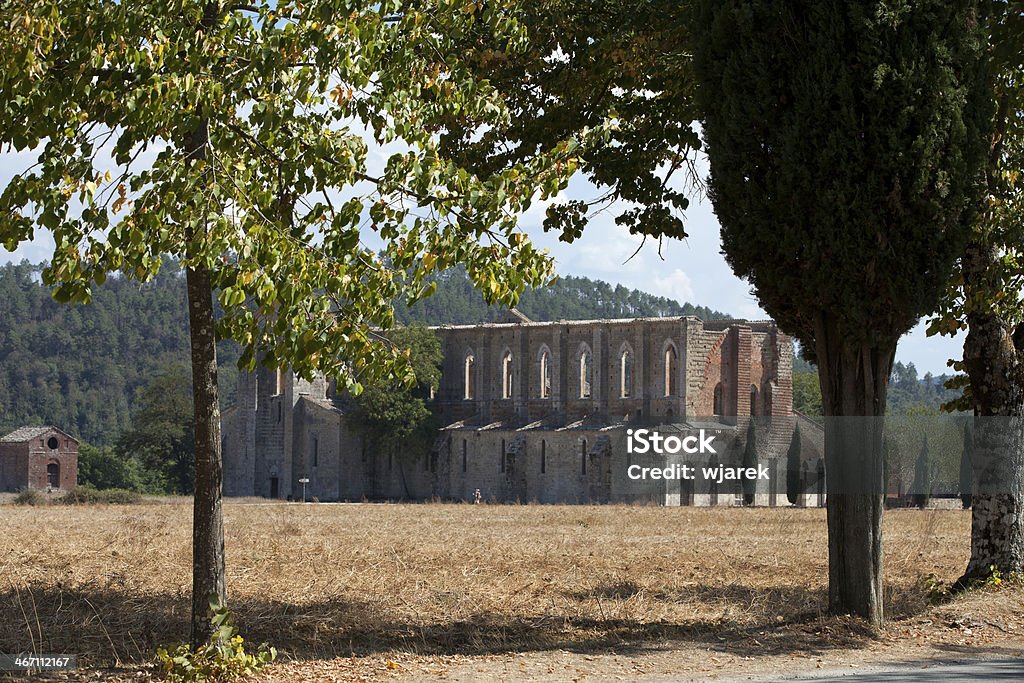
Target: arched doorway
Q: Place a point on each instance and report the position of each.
(53, 475)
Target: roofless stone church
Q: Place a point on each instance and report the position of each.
(533, 411)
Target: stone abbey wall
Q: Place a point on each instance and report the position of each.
(532, 411)
(673, 370)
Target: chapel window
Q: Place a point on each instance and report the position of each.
(506, 375)
(469, 378)
(545, 374)
(586, 375)
(626, 374)
(671, 368)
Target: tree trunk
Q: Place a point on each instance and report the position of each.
(854, 377)
(993, 363)
(208, 574)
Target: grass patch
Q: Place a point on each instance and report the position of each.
(112, 583)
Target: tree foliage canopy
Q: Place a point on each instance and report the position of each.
(846, 141)
(998, 291)
(589, 61)
(395, 418)
(235, 136)
(162, 437)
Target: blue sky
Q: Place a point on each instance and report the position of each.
(691, 270)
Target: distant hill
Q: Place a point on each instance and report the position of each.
(911, 395)
(569, 298)
(908, 394)
(80, 367)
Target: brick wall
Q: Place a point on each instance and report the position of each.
(26, 464)
(13, 466)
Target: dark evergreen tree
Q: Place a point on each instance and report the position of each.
(967, 468)
(846, 143)
(750, 461)
(886, 471)
(922, 489)
(793, 484)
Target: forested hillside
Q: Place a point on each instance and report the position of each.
(81, 368)
(909, 395)
(569, 298)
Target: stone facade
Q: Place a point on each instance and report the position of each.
(533, 411)
(41, 458)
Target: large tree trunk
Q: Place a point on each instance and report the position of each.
(993, 362)
(208, 574)
(854, 377)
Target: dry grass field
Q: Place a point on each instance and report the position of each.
(408, 583)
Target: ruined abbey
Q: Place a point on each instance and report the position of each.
(534, 411)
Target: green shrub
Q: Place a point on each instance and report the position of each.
(86, 495)
(80, 495)
(222, 658)
(120, 497)
(30, 497)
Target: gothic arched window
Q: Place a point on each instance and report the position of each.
(626, 374)
(506, 375)
(671, 368)
(586, 374)
(469, 378)
(545, 374)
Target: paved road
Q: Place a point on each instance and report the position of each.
(939, 671)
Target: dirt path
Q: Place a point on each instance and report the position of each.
(661, 664)
(985, 628)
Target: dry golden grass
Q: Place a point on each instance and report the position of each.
(321, 581)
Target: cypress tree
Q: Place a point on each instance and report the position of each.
(886, 472)
(967, 468)
(922, 477)
(793, 489)
(846, 142)
(750, 461)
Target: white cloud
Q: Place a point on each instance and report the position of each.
(533, 217)
(39, 249)
(693, 270)
(675, 285)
